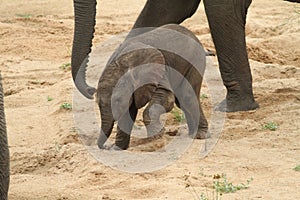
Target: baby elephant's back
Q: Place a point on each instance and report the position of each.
(174, 39)
(181, 48)
(182, 30)
(184, 56)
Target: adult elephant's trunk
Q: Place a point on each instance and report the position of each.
(4, 153)
(85, 13)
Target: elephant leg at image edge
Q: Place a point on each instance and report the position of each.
(4, 152)
(124, 128)
(227, 20)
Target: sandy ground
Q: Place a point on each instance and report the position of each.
(48, 160)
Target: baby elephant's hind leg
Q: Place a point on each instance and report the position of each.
(189, 103)
(195, 118)
(162, 102)
(202, 132)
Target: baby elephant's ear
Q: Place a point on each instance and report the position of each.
(145, 63)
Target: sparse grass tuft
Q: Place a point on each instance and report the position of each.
(49, 98)
(57, 147)
(24, 16)
(203, 197)
(135, 126)
(178, 115)
(297, 168)
(297, 10)
(66, 106)
(203, 96)
(223, 186)
(272, 126)
(73, 129)
(65, 66)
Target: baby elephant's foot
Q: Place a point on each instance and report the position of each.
(117, 148)
(113, 147)
(101, 145)
(236, 105)
(105, 146)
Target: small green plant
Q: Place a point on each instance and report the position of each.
(203, 96)
(25, 16)
(35, 82)
(49, 98)
(66, 106)
(223, 186)
(137, 126)
(203, 197)
(69, 50)
(73, 130)
(178, 115)
(272, 126)
(65, 66)
(57, 147)
(297, 10)
(297, 168)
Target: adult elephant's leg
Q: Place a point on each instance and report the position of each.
(4, 153)
(124, 128)
(160, 12)
(227, 20)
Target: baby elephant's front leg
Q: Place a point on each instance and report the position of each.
(125, 124)
(161, 102)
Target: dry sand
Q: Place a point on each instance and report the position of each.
(48, 160)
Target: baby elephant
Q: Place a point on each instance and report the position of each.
(160, 67)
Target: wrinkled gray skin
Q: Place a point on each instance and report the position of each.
(4, 153)
(226, 19)
(169, 75)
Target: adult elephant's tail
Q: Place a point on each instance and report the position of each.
(4, 153)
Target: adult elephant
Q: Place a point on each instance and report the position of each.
(4, 154)
(226, 19)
